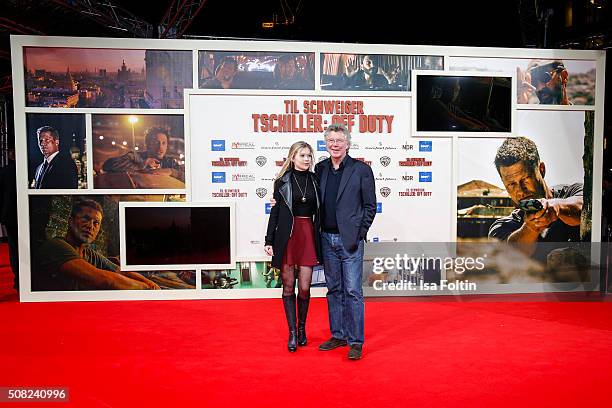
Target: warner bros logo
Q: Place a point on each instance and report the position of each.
(260, 160)
(385, 160)
(261, 192)
(385, 191)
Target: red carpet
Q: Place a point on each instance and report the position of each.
(233, 353)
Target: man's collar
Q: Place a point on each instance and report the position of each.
(51, 157)
(343, 163)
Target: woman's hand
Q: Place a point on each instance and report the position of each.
(269, 250)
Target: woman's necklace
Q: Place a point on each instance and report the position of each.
(303, 193)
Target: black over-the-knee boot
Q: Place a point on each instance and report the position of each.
(289, 304)
(302, 305)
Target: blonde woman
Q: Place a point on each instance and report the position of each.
(292, 238)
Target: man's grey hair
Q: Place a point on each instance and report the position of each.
(338, 127)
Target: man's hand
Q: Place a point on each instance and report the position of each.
(162, 172)
(272, 202)
(524, 89)
(540, 220)
(148, 284)
(151, 163)
(269, 250)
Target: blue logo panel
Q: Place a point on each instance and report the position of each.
(268, 208)
(218, 177)
(425, 145)
(378, 208)
(425, 176)
(217, 145)
(321, 146)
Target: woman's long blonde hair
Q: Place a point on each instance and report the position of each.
(293, 150)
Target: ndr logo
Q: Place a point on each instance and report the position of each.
(425, 176)
(425, 145)
(217, 145)
(321, 146)
(218, 177)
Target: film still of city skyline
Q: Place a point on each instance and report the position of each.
(106, 78)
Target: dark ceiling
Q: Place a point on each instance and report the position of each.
(502, 23)
(476, 24)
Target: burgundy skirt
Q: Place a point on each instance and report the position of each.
(301, 246)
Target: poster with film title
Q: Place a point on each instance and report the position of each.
(239, 143)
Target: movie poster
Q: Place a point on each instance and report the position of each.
(256, 70)
(138, 151)
(243, 141)
(504, 191)
(57, 152)
(106, 78)
(74, 246)
(371, 72)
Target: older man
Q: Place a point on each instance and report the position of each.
(348, 209)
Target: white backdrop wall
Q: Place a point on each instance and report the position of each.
(416, 178)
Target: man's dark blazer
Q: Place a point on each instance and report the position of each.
(62, 173)
(355, 202)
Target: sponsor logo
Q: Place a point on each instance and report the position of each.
(378, 208)
(261, 161)
(407, 177)
(379, 147)
(243, 145)
(217, 145)
(382, 178)
(268, 208)
(229, 193)
(218, 177)
(321, 146)
(375, 239)
(415, 162)
(385, 191)
(415, 192)
(385, 160)
(425, 146)
(362, 159)
(408, 146)
(229, 162)
(243, 177)
(261, 192)
(276, 146)
(425, 176)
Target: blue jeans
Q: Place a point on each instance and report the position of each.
(343, 274)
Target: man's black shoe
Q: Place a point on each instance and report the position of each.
(354, 352)
(332, 344)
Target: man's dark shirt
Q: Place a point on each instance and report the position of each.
(558, 231)
(330, 224)
(52, 254)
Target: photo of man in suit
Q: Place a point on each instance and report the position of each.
(57, 170)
